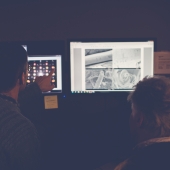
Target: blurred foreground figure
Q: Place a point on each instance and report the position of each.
(150, 125)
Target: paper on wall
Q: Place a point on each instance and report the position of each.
(51, 102)
(162, 63)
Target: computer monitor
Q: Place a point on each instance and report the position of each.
(42, 57)
(109, 66)
(42, 65)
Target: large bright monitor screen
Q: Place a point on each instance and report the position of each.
(109, 66)
(42, 65)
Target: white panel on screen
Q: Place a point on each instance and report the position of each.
(109, 66)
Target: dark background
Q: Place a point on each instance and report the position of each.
(85, 132)
(62, 19)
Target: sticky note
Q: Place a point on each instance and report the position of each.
(51, 102)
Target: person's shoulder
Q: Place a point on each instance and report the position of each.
(14, 124)
(19, 139)
(154, 156)
(18, 134)
(18, 120)
(124, 165)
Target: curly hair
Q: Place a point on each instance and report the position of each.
(152, 97)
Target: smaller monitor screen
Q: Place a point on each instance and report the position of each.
(109, 66)
(42, 65)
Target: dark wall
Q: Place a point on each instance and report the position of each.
(50, 19)
(85, 132)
